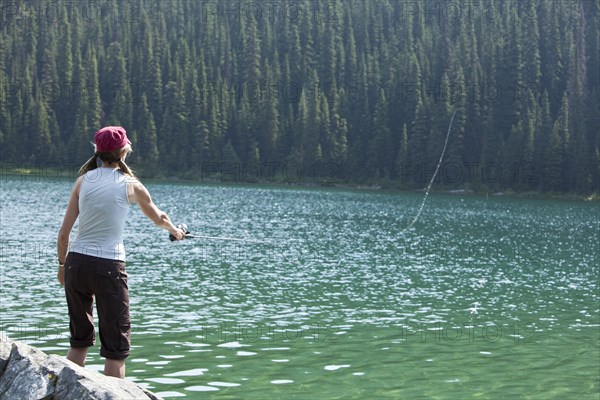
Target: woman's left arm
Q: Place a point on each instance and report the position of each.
(65, 230)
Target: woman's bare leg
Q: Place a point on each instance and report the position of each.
(114, 368)
(77, 355)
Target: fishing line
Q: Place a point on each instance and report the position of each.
(433, 177)
(188, 235)
(230, 239)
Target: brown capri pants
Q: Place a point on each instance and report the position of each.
(87, 277)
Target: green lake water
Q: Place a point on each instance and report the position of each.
(481, 299)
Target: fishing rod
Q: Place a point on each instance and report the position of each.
(189, 235)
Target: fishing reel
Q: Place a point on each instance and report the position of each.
(182, 227)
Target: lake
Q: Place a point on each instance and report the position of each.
(481, 298)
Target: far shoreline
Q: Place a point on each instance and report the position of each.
(54, 174)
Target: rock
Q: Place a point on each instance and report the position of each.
(5, 348)
(28, 373)
(79, 383)
(25, 377)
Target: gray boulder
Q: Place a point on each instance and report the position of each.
(5, 348)
(28, 373)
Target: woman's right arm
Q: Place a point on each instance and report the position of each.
(160, 218)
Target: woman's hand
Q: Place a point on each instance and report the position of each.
(60, 275)
(178, 233)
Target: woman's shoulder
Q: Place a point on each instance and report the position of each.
(77, 185)
(80, 179)
(134, 183)
(131, 180)
(136, 189)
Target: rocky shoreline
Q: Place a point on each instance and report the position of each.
(27, 373)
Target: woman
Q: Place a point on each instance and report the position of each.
(95, 263)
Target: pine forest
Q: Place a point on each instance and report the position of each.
(350, 91)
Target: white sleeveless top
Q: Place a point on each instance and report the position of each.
(103, 208)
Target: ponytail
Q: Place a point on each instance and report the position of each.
(89, 165)
(126, 170)
(108, 158)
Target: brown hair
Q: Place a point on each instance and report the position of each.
(108, 157)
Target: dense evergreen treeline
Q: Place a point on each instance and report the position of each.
(358, 90)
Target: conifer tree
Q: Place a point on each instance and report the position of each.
(381, 150)
(148, 148)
